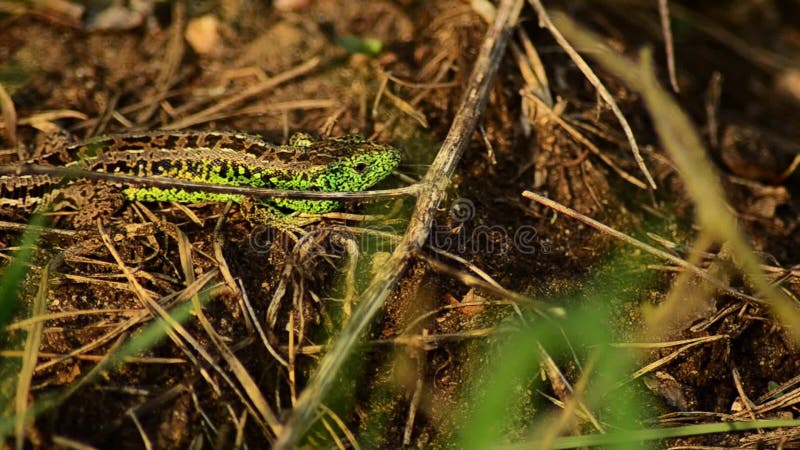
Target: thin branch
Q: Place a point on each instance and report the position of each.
(431, 193)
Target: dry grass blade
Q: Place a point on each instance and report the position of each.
(102, 340)
(473, 281)
(64, 442)
(416, 397)
(36, 318)
(95, 358)
(148, 445)
(477, 270)
(651, 345)
(745, 400)
(788, 399)
(172, 60)
(572, 406)
(245, 380)
(49, 116)
(351, 438)
(407, 108)
(9, 116)
(779, 390)
(562, 387)
(181, 337)
(641, 245)
(544, 19)
(276, 107)
(432, 341)
(761, 56)
(32, 343)
(414, 324)
(669, 47)
(350, 269)
(44, 231)
(241, 293)
(277, 296)
(260, 330)
(431, 194)
(686, 150)
(136, 319)
(536, 78)
(789, 170)
(258, 89)
(109, 359)
(14, 8)
(106, 284)
(674, 355)
(542, 107)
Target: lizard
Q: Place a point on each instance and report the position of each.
(349, 163)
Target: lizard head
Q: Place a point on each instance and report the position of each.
(353, 163)
(348, 163)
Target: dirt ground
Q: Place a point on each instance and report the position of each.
(395, 71)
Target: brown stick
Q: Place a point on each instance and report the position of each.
(431, 193)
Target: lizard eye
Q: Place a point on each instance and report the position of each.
(360, 167)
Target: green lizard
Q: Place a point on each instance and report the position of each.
(348, 163)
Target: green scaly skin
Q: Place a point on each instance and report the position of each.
(348, 163)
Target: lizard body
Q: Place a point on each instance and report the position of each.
(348, 163)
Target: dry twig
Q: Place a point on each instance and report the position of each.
(431, 193)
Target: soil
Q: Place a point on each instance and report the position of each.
(103, 67)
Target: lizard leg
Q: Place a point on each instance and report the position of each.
(89, 200)
(259, 213)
